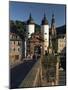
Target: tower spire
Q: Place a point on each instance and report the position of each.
(30, 20)
(53, 15)
(30, 17)
(44, 16)
(53, 20)
(44, 21)
(53, 28)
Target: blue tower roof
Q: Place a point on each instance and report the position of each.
(30, 20)
(44, 21)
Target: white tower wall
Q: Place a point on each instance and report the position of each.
(31, 29)
(45, 31)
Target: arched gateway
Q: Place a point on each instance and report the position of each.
(35, 44)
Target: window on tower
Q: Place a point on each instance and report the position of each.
(45, 46)
(45, 33)
(45, 39)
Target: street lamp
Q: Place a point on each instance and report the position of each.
(25, 47)
(25, 36)
(41, 64)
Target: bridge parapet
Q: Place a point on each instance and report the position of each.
(33, 77)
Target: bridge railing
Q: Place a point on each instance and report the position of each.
(33, 77)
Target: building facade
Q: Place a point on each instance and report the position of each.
(61, 43)
(15, 48)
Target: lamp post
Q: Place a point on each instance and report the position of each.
(25, 47)
(26, 37)
(41, 64)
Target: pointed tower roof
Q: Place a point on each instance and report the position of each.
(44, 21)
(53, 28)
(30, 20)
(53, 19)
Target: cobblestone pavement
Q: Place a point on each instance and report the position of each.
(62, 78)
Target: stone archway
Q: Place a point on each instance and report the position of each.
(35, 45)
(37, 49)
